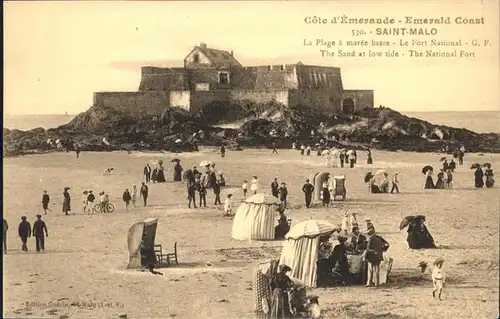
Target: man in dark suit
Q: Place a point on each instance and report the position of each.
(147, 173)
(275, 188)
(358, 241)
(308, 190)
(374, 256)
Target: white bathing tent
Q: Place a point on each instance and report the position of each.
(256, 218)
(301, 249)
(145, 230)
(317, 180)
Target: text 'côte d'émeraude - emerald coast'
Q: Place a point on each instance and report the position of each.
(344, 19)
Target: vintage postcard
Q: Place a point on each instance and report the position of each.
(251, 159)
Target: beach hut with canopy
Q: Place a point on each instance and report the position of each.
(256, 218)
(141, 231)
(317, 180)
(301, 249)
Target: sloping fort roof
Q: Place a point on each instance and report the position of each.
(219, 58)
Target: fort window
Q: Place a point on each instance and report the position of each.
(223, 77)
(348, 106)
(196, 58)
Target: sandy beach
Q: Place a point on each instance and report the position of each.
(82, 272)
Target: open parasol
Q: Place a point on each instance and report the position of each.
(311, 228)
(262, 199)
(206, 163)
(368, 177)
(381, 172)
(475, 165)
(487, 165)
(405, 222)
(442, 159)
(427, 168)
(178, 141)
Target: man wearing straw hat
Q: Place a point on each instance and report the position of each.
(438, 277)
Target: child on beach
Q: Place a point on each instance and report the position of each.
(85, 201)
(345, 223)
(255, 185)
(228, 206)
(244, 187)
(438, 277)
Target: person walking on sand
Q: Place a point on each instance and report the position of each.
(222, 151)
(147, 173)
(144, 193)
(5, 229)
(308, 190)
(449, 178)
(244, 188)
(85, 200)
(90, 200)
(255, 185)
(202, 192)
(45, 202)
(126, 198)
(275, 187)
(283, 194)
(369, 159)
(134, 194)
(38, 231)
(438, 277)
(395, 183)
(216, 189)
(228, 205)
(24, 232)
(77, 150)
(274, 148)
(373, 256)
(191, 189)
(66, 207)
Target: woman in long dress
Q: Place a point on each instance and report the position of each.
(66, 207)
(429, 182)
(478, 178)
(440, 181)
(178, 172)
(489, 178)
(326, 193)
(369, 159)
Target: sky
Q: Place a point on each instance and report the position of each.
(56, 54)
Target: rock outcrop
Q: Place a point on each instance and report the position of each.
(381, 128)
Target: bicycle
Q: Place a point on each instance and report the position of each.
(109, 208)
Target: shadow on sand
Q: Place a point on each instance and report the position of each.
(453, 247)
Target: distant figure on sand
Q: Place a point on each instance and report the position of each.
(126, 198)
(66, 207)
(202, 192)
(133, 194)
(283, 194)
(275, 187)
(77, 150)
(326, 192)
(90, 200)
(144, 192)
(452, 166)
(191, 189)
(222, 151)
(255, 185)
(369, 159)
(45, 202)
(282, 228)
(85, 200)
(24, 232)
(374, 256)
(244, 188)
(440, 181)
(274, 148)
(38, 232)
(177, 172)
(147, 173)
(308, 190)
(449, 178)
(478, 177)
(216, 189)
(429, 182)
(5, 229)
(395, 183)
(438, 278)
(228, 206)
(490, 182)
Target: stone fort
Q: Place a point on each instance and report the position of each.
(212, 75)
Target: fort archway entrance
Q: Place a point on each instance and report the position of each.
(348, 106)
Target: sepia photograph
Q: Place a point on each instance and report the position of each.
(251, 159)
